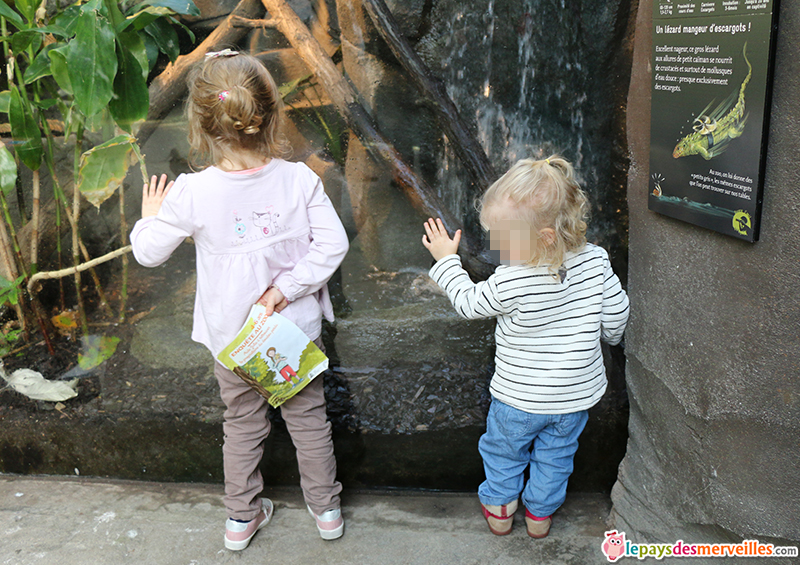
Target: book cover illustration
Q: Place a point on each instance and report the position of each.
(273, 356)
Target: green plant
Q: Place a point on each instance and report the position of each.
(9, 338)
(86, 66)
(10, 291)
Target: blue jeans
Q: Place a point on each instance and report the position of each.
(506, 452)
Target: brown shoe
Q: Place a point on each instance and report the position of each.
(500, 518)
(537, 527)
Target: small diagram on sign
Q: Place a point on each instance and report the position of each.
(657, 180)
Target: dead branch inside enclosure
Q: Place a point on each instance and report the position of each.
(464, 143)
(47, 275)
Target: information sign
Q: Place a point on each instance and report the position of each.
(712, 74)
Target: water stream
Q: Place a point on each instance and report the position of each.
(525, 75)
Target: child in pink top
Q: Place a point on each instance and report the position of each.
(264, 231)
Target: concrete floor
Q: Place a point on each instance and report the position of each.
(79, 521)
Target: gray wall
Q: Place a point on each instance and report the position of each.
(712, 345)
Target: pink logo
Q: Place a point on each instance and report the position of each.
(614, 545)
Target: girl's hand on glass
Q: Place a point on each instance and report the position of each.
(153, 194)
(273, 300)
(437, 241)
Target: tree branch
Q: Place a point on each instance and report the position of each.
(466, 147)
(77, 269)
(244, 22)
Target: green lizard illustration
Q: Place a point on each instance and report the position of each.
(712, 132)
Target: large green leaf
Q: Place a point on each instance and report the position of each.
(185, 7)
(131, 97)
(68, 19)
(101, 122)
(21, 40)
(58, 66)
(11, 15)
(25, 131)
(5, 100)
(27, 8)
(91, 63)
(98, 6)
(103, 168)
(8, 170)
(188, 32)
(135, 43)
(143, 18)
(54, 30)
(113, 13)
(45, 103)
(165, 37)
(152, 51)
(40, 66)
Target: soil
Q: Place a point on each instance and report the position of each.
(408, 398)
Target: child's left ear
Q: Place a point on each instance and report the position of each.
(548, 235)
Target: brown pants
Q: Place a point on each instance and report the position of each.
(246, 426)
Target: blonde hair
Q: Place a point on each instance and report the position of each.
(543, 194)
(234, 105)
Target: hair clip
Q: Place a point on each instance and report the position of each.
(547, 161)
(223, 53)
(223, 96)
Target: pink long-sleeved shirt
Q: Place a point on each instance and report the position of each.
(275, 226)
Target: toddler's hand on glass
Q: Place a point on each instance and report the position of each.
(437, 241)
(153, 194)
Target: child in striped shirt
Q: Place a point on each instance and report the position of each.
(555, 297)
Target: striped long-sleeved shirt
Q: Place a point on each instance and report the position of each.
(548, 358)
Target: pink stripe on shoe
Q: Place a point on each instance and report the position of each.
(532, 517)
(503, 513)
(329, 526)
(252, 526)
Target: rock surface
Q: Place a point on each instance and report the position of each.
(712, 347)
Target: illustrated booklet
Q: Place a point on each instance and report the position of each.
(273, 356)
